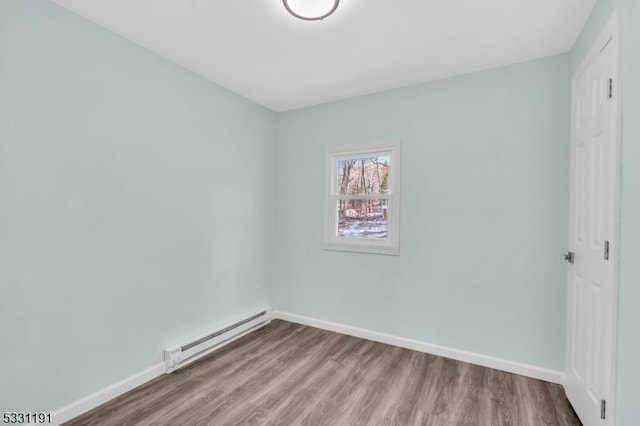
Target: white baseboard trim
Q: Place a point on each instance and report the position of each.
(457, 354)
(104, 395)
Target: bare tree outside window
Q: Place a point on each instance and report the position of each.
(364, 217)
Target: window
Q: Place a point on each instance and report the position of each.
(363, 199)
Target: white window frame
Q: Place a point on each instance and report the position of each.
(390, 246)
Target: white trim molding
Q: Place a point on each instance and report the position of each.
(102, 396)
(387, 246)
(514, 367)
(105, 395)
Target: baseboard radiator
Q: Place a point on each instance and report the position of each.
(178, 356)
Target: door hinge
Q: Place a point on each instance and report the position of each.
(603, 409)
(606, 250)
(610, 89)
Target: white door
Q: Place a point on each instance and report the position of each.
(592, 284)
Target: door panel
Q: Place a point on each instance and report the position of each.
(592, 222)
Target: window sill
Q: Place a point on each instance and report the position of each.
(357, 248)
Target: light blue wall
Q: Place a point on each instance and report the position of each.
(629, 297)
(124, 222)
(484, 213)
(135, 206)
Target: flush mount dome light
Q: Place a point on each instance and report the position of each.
(311, 10)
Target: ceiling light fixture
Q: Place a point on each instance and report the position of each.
(311, 10)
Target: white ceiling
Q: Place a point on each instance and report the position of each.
(256, 49)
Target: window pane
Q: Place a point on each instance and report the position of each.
(363, 175)
(362, 219)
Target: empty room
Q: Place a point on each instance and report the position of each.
(320, 212)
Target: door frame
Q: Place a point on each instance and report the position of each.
(611, 33)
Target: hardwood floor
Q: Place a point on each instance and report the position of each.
(289, 374)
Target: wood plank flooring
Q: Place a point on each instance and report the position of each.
(289, 374)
